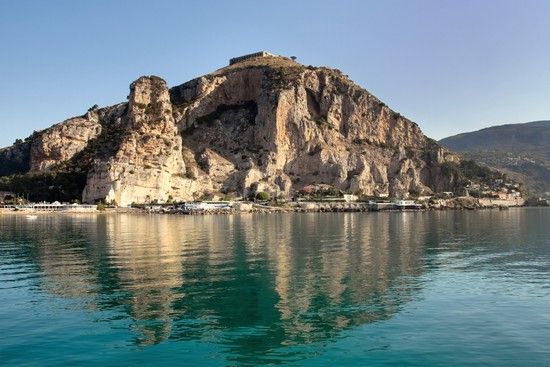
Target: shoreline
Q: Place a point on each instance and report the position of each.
(261, 209)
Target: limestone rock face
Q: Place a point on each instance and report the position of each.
(148, 163)
(62, 141)
(286, 126)
(269, 124)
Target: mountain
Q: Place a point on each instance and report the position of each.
(263, 123)
(520, 150)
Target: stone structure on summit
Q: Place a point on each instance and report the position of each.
(254, 55)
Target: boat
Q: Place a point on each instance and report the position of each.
(31, 217)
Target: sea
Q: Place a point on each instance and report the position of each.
(433, 288)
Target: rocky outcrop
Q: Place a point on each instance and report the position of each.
(268, 124)
(148, 163)
(47, 148)
(62, 141)
(283, 126)
(15, 159)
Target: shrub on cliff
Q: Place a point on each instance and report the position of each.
(262, 196)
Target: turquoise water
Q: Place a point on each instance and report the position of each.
(357, 289)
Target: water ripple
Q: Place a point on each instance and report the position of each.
(281, 289)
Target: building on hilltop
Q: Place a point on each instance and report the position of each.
(250, 56)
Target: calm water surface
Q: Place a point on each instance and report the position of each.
(417, 289)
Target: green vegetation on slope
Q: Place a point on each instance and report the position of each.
(467, 171)
(64, 181)
(46, 186)
(15, 159)
(520, 150)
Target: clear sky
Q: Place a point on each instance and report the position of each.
(451, 66)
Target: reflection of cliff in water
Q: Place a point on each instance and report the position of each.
(60, 250)
(301, 278)
(256, 281)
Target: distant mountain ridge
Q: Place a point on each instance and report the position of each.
(521, 150)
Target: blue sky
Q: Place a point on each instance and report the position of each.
(451, 66)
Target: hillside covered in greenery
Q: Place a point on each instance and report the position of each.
(520, 150)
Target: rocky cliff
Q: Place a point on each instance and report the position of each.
(266, 124)
(147, 162)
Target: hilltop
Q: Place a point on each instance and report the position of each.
(262, 124)
(521, 150)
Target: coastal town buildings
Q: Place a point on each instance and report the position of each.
(50, 207)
